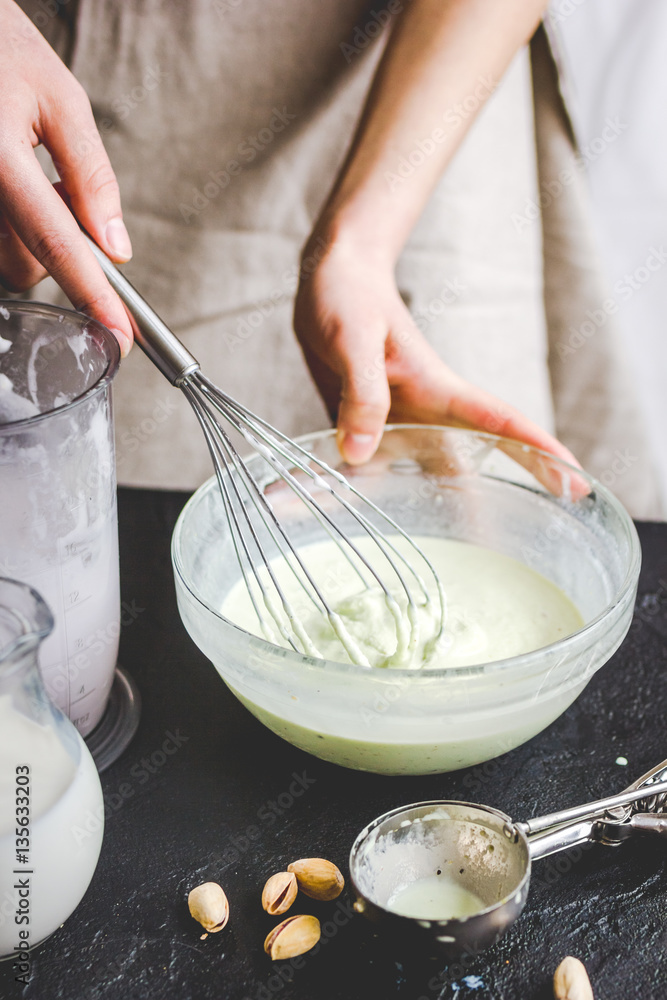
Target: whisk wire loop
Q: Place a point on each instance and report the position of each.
(222, 461)
(270, 443)
(227, 460)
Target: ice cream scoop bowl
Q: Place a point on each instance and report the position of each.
(484, 852)
(444, 482)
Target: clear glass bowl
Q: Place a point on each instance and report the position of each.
(451, 483)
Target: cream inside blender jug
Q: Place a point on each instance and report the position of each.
(58, 520)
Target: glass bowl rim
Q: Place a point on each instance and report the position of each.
(522, 660)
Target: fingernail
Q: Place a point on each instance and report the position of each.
(118, 239)
(123, 340)
(357, 448)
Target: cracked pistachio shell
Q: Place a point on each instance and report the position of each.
(279, 893)
(292, 937)
(318, 878)
(208, 904)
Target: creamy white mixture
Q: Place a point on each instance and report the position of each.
(436, 897)
(12, 406)
(496, 607)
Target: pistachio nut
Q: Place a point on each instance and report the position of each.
(571, 981)
(208, 904)
(292, 937)
(318, 878)
(279, 893)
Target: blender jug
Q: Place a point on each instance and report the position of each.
(51, 805)
(58, 514)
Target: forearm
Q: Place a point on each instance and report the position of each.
(443, 60)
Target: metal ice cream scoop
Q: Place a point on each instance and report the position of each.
(487, 854)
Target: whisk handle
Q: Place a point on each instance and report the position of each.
(153, 335)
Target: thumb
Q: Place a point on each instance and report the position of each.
(364, 405)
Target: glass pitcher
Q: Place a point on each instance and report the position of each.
(51, 806)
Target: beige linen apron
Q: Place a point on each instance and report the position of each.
(226, 123)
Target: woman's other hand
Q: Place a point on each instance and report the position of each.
(372, 364)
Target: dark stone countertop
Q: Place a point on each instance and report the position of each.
(234, 803)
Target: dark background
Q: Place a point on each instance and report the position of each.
(220, 807)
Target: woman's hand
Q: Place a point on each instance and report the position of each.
(371, 363)
(42, 103)
(365, 352)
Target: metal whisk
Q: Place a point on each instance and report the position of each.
(252, 519)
